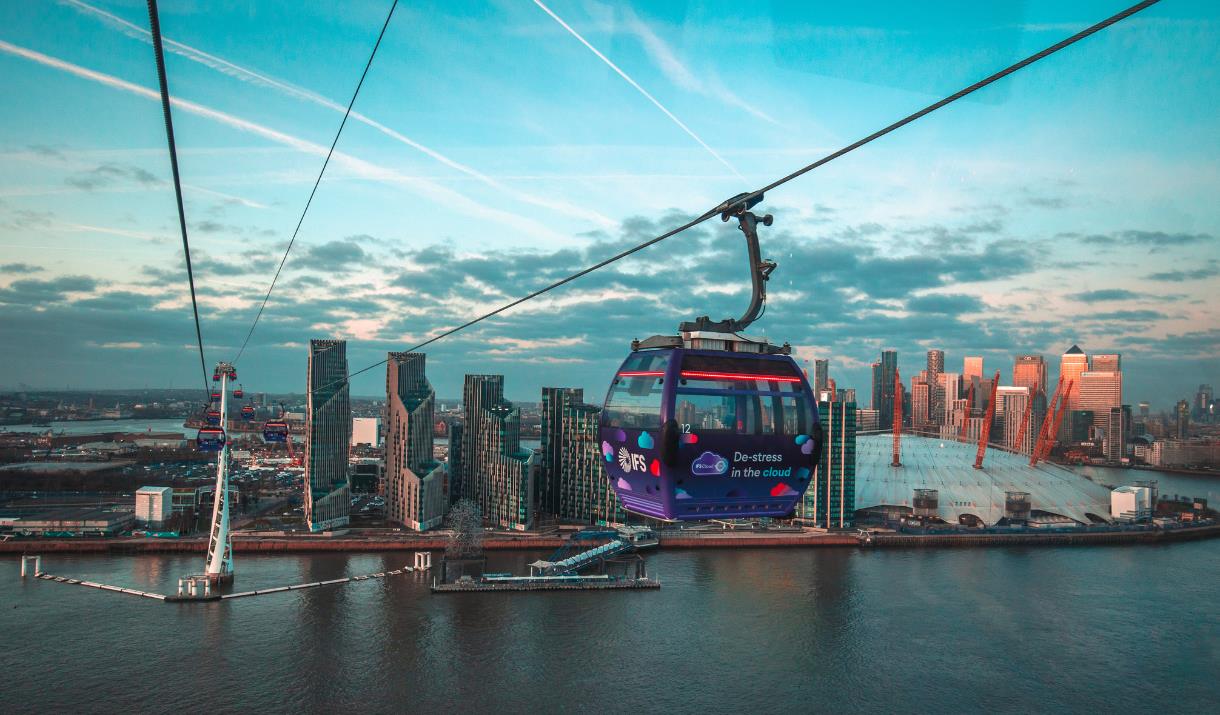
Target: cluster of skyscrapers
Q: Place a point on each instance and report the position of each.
(955, 404)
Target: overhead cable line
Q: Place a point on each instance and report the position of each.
(317, 181)
(744, 199)
(154, 23)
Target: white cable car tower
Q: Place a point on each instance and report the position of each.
(219, 568)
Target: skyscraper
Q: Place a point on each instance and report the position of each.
(496, 473)
(1107, 363)
(1072, 365)
(821, 373)
(1115, 444)
(972, 367)
(936, 362)
(1182, 419)
(950, 384)
(1204, 399)
(416, 487)
(1099, 392)
(830, 500)
(1029, 371)
(328, 436)
(574, 485)
(455, 461)
(936, 395)
(1012, 401)
(920, 401)
(884, 388)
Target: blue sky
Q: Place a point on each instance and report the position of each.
(1074, 202)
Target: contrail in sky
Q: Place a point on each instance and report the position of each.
(641, 90)
(359, 167)
(248, 75)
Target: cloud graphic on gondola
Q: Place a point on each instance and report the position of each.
(783, 490)
(607, 451)
(644, 440)
(709, 464)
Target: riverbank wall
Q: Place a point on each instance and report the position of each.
(272, 545)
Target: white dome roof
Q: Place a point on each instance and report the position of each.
(948, 467)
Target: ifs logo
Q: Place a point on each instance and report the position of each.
(709, 464)
(631, 462)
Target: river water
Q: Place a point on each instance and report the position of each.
(1020, 629)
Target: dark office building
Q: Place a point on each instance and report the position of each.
(883, 387)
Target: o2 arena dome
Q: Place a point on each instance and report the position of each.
(963, 494)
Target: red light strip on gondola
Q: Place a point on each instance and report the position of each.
(640, 373)
(737, 376)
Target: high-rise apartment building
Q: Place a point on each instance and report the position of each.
(496, 473)
(574, 485)
(416, 486)
(936, 395)
(936, 362)
(972, 367)
(830, 500)
(328, 436)
(1029, 371)
(454, 462)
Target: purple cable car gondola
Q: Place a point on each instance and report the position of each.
(210, 439)
(247, 413)
(212, 417)
(239, 393)
(710, 424)
(275, 431)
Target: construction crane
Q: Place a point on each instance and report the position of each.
(1046, 424)
(985, 433)
(1050, 438)
(897, 462)
(1029, 408)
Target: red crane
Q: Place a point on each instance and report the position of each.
(966, 413)
(985, 433)
(1046, 424)
(897, 420)
(1050, 438)
(1029, 408)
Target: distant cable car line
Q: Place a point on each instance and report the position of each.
(746, 198)
(316, 182)
(154, 23)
